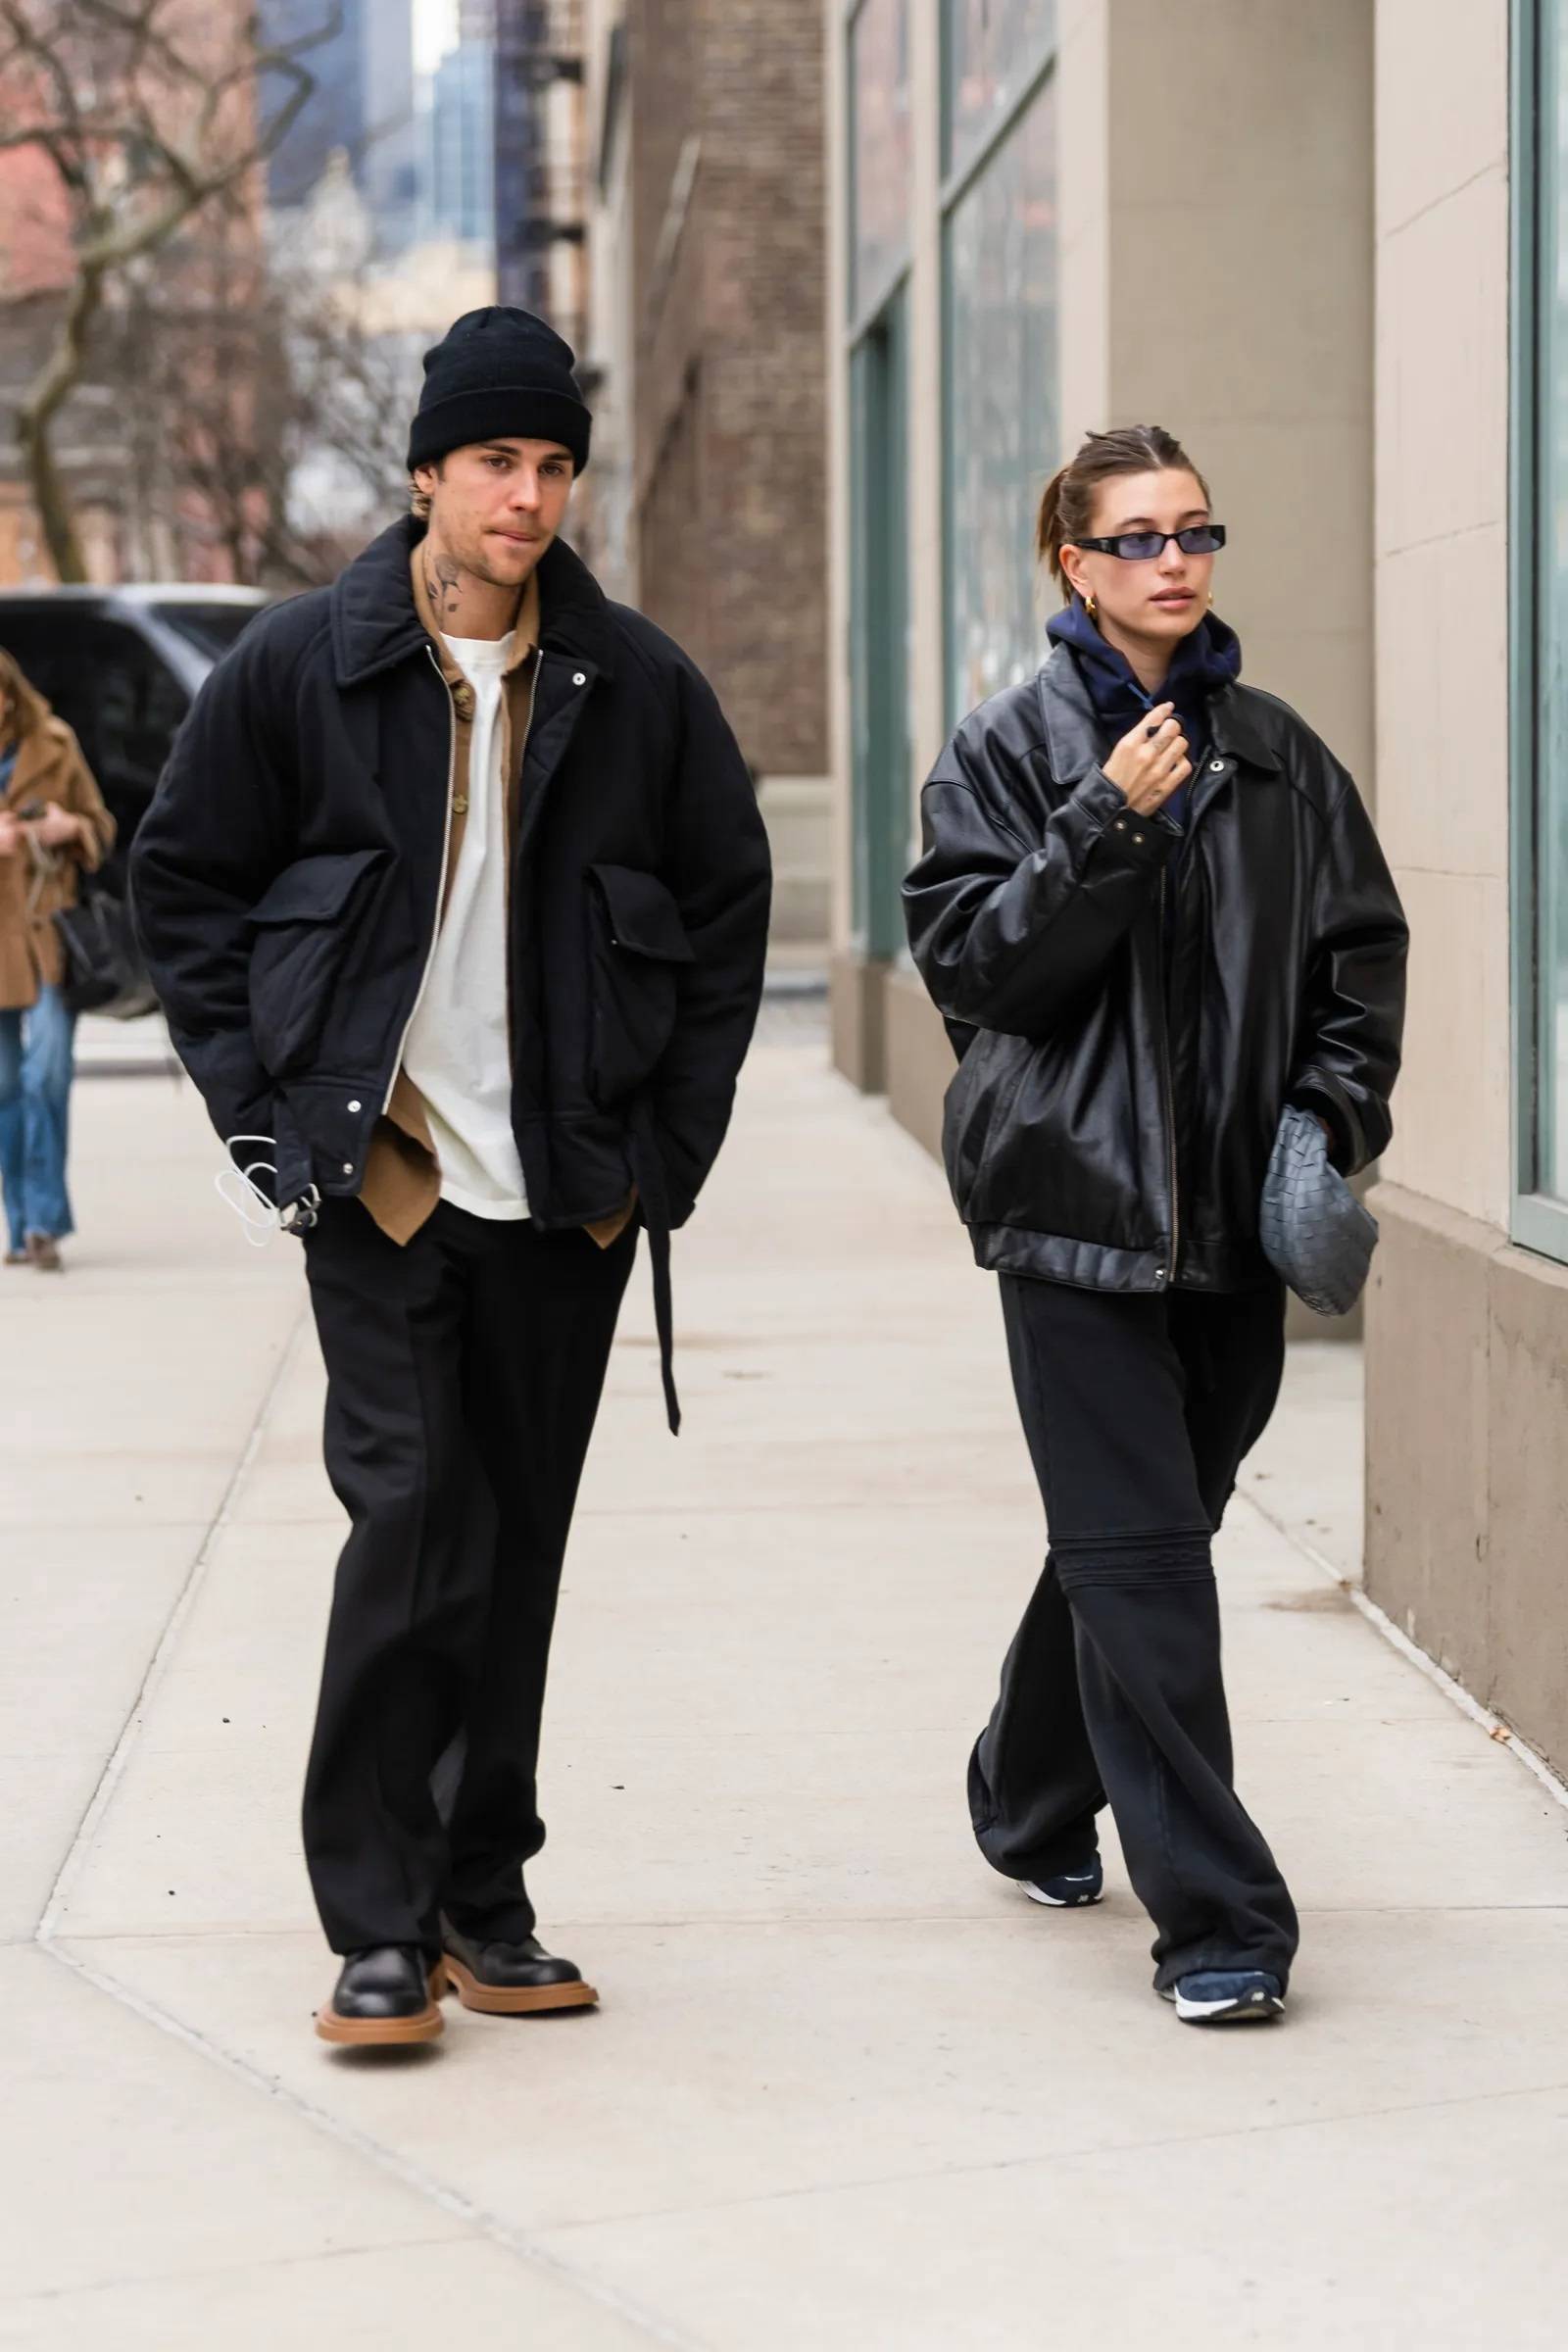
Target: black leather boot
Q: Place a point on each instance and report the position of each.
(386, 1994)
(508, 1979)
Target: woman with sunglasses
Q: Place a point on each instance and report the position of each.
(1152, 910)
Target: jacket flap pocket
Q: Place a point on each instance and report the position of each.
(314, 889)
(643, 915)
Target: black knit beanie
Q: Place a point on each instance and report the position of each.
(499, 374)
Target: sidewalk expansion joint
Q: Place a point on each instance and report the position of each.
(1057, 2156)
(174, 1625)
(410, 2175)
(51, 1930)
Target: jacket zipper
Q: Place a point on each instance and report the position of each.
(1170, 1090)
(512, 850)
(534, 668)
(440, 890)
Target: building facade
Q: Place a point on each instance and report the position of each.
(676, 231)
(1467, 1536)
(1351, 302)
(1004, 261)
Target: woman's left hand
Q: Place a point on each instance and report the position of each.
(56, 827)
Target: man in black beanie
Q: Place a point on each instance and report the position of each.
(456, 894)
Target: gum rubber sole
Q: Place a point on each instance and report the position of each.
(385, 2033)
(514, 2000)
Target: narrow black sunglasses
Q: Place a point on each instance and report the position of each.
(1140, 547)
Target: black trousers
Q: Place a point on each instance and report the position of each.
(464, 1377)
(1138, 1411)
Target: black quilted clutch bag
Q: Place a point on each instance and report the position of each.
(1313, 1229)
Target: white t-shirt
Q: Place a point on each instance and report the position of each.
(457, 1052)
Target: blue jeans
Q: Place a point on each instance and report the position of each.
(35, 1068)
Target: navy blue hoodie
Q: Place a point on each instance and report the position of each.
(1202, 663)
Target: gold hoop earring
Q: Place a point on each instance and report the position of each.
(1091, 605)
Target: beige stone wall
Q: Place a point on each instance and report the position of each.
(836, 294)
(1442, 579)
(1467, 1334)
(1222, 286)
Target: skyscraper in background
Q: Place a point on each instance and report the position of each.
(334, 116)
(362, 105)
(390, 177)
(458, 191)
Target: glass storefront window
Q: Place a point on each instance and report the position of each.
(1552, 613)
(880, 149)
(995, 48)
(1003, 425)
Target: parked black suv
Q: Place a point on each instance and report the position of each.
(121, 665)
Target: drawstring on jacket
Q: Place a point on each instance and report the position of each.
(648, 1173)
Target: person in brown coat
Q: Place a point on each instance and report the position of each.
(53, 824)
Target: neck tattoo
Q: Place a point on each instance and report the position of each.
(443, 584)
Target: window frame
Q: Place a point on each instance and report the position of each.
(955, 178)
(875, 329)
(956, 187)
(1539, 1220)
(866, 303)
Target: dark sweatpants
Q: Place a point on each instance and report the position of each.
(1138, 1411)
(464, 1376)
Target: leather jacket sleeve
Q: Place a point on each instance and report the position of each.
(1004, 936)
(1354, 1009)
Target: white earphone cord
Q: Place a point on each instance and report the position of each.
(295, 1216)
(246, 1200)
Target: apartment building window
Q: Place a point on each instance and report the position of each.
(994, 51)
(881, 150)
(1540, 606)
(880, 177)
(1002, 409)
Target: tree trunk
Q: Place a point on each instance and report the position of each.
(56, 380)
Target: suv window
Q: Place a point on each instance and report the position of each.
(212, 627)
(107, 684)
(35, 641)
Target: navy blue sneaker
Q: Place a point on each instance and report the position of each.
(1067, 1888)
(1240, 1996)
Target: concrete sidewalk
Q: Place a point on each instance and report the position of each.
(847, 2090)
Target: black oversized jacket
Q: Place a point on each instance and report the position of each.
(287, 877)
(1135, 1003)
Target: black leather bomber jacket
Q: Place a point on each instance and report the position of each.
(1134, 1004)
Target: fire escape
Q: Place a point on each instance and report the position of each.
(541, 171)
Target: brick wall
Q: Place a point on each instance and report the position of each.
(730, 425)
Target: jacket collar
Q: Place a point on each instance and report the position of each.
(1074, 729)
(374, 623)
(1238, 734)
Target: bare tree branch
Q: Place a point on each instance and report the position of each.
(146, 127)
